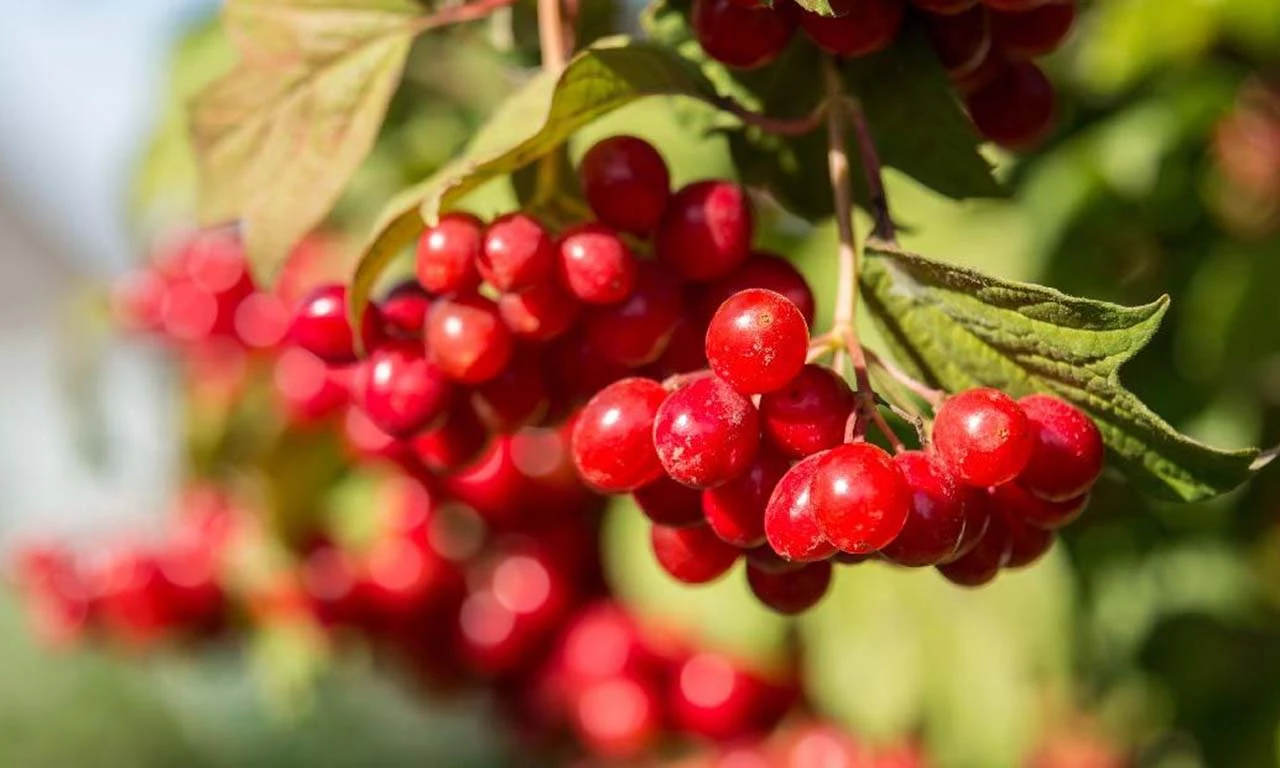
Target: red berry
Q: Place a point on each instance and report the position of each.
(860, 498)
(666, 502)
(308, 389)
(400, 390)
(467, 339)
(706, 433)
(977, 516)
(1017, 503)
(757, 341)
(1033, 32)
(809, 414)
(936, 522)
(619, 717)
(494, 486)
(1016, 108)
(861, 26)
(692, 555)
(981, 564)
(741, 35)
(962, 41)
(517, 397)
(944, 7)
(791, 592)
(613, 436)
(448, 253)
(626, 183)
(540, 312)
(320, 326)
(516, 253)
(714, 697)
(1027, 543)
(1014, 5)
(790, 520)
(455, 443)
(762, 269)
(404, 310)
(706, 230)
(595, 265)
(735, 510)
(635, 332)
(983, 436)
(1067, 456)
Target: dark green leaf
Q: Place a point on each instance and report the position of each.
(957, 328)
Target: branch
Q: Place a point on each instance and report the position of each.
(782, 126)
(884, 228)
(458, 14)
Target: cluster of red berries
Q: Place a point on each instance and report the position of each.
(985, 45)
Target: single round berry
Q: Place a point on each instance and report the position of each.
(404, 310)
(859, 28)
(790, 520)
(626, 183)
(741, 35)
(962, 41)
(666, 502)
(455, 443)
(400, 390)
(517, 397)
(706, 433)
(1017, 503)
(977, 517)
(468, 340)
(1027, 543)
(516, 253)
(595, 265)
(735, 510)
(983, 436)
(1033, 32)
(757, 341)
(448, 253)
(705, 232)
(860, 498)
(635, 332)
(790, 592)
(936, 522)
(1067, 453)
(762, 269)
(692, 555)
(1016, 108)
(983, 562)
(540, 312)
(320, 326)
(809, 414)
(612, 440)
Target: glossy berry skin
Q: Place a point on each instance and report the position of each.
(762, 269)
(791, 592)
(400, 390)
(1016, 108)
(692, 555)
(983, 436)
(790, 520)
(404, 310)
(861, 26)
(982, 563)
(735, 510)
(516, 253)
(741, 35)
(448, 253)
(666, 502)
(936, 522)
(977, 517)
(1067, 453)
(706, 433)
(1017, 503)
(517, 397)
(1034, 32)
(612, 440)
(456, 442)
(757, 341)
(635, 332)
(467, 339)
(705, 231)
(860, 497)
(540, 312)
(808, 415)
(962, 42)
(595, 265)
(320, 326)
(1027, 543)
(626, 183)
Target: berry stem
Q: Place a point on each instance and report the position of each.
(551, 36)
(871, 168)
(458, 14)
(782, 126)
(933, 397)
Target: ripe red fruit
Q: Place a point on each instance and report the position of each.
(692, 555)
(1014, 5)
(1017, 503)
(706, 229)
(400, 390)
(516, 253)
(635, 332)
(404, 310)
(808, 415)
(1067, 455)
(308, 389)
(517, 397)
(1027, 543)
(1016, 108)
(936, 522)
(467, 339)
(612, 439)
(448, 252)
(757, 341)
(1034, 31)
(735, 510)
(626, 183)
(790, 520)
(494, 486)
(666, 502)
(861, 26)
(706, 433)
(619, 717)
(791, 592)
(983, 436)
(977, 517)
(741, 35)
(540, 312)
(860, 498)
(962, 42)
(455, 443)
(320, 326)
(595, 265)
(762, 269)
(981, 564)
(714, 697)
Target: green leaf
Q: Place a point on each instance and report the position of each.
(537, 119)
(820, 7)
(279, 136)
(957, 328)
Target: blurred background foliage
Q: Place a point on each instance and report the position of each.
(1158, 624)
